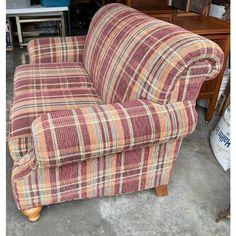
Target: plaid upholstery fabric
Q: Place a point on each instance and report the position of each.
(51, 76)
(68, 136)
(119, 173)
(41, 88)
(58, 49)
(140, 67)
(130, 55)
(189, 83)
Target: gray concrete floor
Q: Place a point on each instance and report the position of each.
(198, 189)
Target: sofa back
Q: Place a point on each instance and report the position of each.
(130, 55)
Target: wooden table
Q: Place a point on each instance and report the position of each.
(219, 32)
(37, 14)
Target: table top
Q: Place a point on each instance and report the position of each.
(202, 25)
(37, 9)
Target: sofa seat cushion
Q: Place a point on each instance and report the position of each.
(43, 88)
(50, 76)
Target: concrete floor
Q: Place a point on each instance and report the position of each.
(198, 189)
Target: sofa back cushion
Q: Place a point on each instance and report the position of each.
(130, 55)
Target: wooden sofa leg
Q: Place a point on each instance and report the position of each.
(33, 214)
(162, 190)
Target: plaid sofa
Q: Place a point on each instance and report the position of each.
(105, 114)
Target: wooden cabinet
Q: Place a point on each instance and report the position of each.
(156, 8)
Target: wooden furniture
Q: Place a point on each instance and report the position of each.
(219, 32)
(198, 6)
(37, 14)
(155, 8)
(162, 10)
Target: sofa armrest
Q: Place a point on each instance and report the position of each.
(56, 49)
(69, 136)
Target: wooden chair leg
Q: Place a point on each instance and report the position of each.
(162, 190)
(33, 214)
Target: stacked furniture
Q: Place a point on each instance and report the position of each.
(106, 113)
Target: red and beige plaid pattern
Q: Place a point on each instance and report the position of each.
(189, 83)
(42, 88)
(110, 175)
(52, 50)
(50, 77)
(69, 136)
(136, 56)
(105, 114)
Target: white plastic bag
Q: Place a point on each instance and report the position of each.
(220, 140)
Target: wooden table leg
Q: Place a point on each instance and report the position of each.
(63, 30)
(19, 31)
(210, 110)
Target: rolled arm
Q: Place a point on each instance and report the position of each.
(69, 136)
(56, 49)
